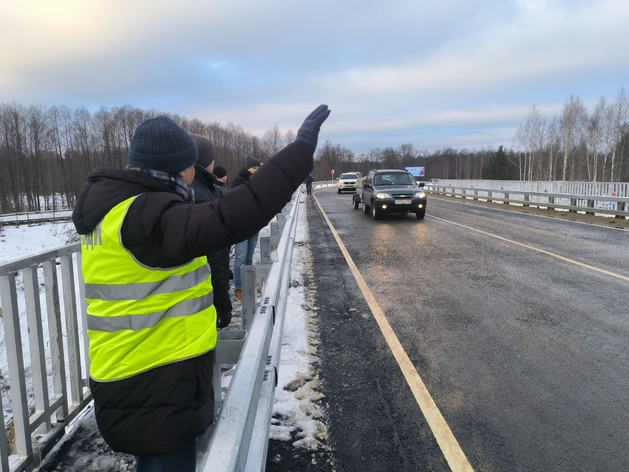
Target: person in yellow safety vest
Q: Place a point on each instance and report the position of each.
(150, 315)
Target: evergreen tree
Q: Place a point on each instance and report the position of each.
(498, 167)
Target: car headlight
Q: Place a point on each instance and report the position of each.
(420, 195)
(383, 195)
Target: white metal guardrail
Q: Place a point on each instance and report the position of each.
(35, 217)
(599, 189)
(590, 204)
(51, 388)
(53, 348)
(239, 440)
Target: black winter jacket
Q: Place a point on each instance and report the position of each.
(160, 410)
(220, 188)
(242, 178)
(205, 192)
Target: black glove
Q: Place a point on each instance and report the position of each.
(309, 131)
(223, 321)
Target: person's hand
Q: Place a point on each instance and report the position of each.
(223, 321)
(309, 131)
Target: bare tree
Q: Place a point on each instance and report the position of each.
(289, 137)
(272, 140)
(572, 123)
(595, 139)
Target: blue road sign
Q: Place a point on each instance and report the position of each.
(416, 171)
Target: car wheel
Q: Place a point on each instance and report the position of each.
(338, 190)
(356, 202)
(375, 213)
(365, 208)
(420, 214)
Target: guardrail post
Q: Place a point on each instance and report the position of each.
(275, 235)
(265, 250)
(4, 449)
(19, 403)
(72, 329)
(620, 206)
(216, 383)
(36, 344)
(248, 295)
(53, 311)
(590, 204)
(281, 220)
(573, 202)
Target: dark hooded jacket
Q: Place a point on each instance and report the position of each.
(242, 178)
(205, 191)
(220, 188)
(160, 410)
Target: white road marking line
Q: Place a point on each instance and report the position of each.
(533, 248)
(452, 452)
(515, 211)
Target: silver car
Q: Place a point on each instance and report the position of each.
(347, 181)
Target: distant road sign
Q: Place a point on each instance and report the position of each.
(416, 171)
(332, 171)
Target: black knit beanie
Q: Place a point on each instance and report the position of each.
(206, 150)
(161, 144)
(219, 172)
(252, 162)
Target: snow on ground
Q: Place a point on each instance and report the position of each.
(22, 241)
(296, 412)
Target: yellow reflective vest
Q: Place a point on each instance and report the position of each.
(141, 317)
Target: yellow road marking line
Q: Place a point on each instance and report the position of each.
(532, 248)
(452, 452)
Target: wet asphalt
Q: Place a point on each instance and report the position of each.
(526, 355)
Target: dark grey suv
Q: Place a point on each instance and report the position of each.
(390, 191)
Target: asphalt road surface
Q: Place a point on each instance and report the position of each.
(518, 326)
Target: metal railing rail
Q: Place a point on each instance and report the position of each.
(61, 390)
(611, 189)
(35, 217)
(39, 423)
(590, 204)
(239, 439)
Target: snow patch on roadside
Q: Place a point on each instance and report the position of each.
(295, 412)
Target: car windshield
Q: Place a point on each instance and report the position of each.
(349, 176)
(397, 178)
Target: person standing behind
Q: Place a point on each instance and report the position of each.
(219, 186)
(205, 191)
(221, 179)
(243, 254)
(309, 181)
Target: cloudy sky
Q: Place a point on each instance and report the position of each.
(457, 73)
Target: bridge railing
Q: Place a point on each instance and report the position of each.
(239, 439)
(46, 353)
(30, 217)
(590, 204)
(44, 340)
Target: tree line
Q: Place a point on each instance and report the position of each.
(574, 145)
(50, 151)
(46, 151)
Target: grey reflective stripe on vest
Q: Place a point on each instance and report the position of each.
(111, 324)
(139, 291)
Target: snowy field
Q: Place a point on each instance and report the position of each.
(297, 414)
